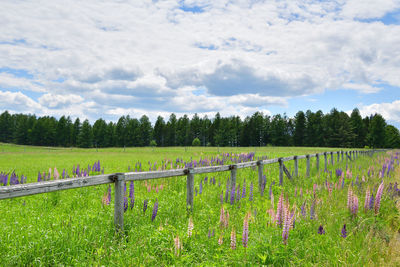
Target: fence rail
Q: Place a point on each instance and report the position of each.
(119, 179)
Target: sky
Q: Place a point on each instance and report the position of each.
(92, 58)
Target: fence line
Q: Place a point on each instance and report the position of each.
(119, 179)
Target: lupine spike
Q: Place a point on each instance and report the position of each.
(367, 198)
(233, 239)
(245, 236)
(378, 198)
(155, 209)
(344, 232)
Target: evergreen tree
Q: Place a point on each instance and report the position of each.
(85, 138)
(377, 131)
(299, 129)
(159, 131)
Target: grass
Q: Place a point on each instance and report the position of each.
(74, 228)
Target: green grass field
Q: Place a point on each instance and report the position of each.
(73, 227)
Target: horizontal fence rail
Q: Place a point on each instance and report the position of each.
(118, 179)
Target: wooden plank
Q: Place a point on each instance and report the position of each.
(211, 169)
(317, 155)
(286, 171)
(296, 167)
(51, 186)
(119, 204)
(308, 166)
(190, 189)
(287, 158)
(134, 176)
(270, 161)
(302, 157)
(246, 164)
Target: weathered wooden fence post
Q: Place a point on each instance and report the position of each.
(280, 171)
(347, 159)
(260, 176)
(308, 166)
(317, 156)
(189, 189)
(338, 156)
(342, 155)
(119, 182)
(296, 166)
(233, 176)
(326, 162)
(332, 158)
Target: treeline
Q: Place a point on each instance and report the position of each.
(334, 129)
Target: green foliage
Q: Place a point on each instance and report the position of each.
(153, 143)
(334, 129)
(196, 142)
(72, 227)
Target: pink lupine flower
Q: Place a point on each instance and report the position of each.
(233, 239)
(286, 226)
(367, 199)
(378, 198)
(279, 211)
(245, 235)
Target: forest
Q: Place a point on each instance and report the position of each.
(312, 129)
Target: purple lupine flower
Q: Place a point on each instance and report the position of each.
(77, 171)
(39, 178)
(339, 172)
(132, 194)
(312, 210)
(145, 205)
(125, 203)
(109, 194)
(321, 230)
(303, 209)
(286, 225)
(195, 191)
(209, 233)
(238, 193)
(226, 195)
(155, 209)
(371, 201)
(244, 189)
(201, 187)
(344, 232)
(233, 195)
(251, 192)
(63, 174)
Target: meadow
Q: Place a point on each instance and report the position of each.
(298, 223)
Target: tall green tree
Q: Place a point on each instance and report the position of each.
(377, 131)
(85, 138)
(299, 129)
(160, 131)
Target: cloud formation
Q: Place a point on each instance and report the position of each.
(95, 59)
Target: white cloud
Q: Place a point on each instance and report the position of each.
(17, 102)
(103, 58)
(58, 101)
(390, 111)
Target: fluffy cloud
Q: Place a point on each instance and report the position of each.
(390, 111)
(104, 58)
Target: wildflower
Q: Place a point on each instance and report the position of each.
(321, 230)
(145, 205)
(233, 239)
(233, 195)
(220, 240)
(344, 232)
(279, 211)
(201, 187)
(367, 198)
(190, 227)
(251, 192)
(378, 198)
(125, 204)
(245, 235)
(312, 210)
(371, 202)
(178, 245)
(155, 209)
(286, 225)
(132, 194)
(244, 189)
(109, 194)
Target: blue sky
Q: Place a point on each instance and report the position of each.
(108, 59)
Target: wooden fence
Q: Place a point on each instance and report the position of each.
(119, 179)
